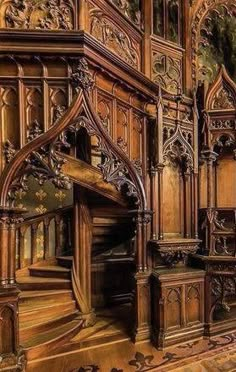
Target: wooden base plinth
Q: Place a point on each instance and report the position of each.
(220, 292)
(177, 305)
(142, 329)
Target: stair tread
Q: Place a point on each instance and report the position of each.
(49, 336)
(29, 325)
(50, 268)
(36, 279)
(68, 258)
(26, 308)
(50, 292)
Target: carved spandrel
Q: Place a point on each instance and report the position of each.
(33, 14)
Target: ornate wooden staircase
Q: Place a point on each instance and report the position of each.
(48, 312)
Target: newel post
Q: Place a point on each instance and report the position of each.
(142, 305)
(11, 357)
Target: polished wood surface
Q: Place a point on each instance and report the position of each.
(117, 175)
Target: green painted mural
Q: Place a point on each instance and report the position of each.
(218, 42)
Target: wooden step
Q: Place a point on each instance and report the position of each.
(41, 345)
(29, 297)
(31, 283)
(65, 261)
(29, 329)
(50, 272)
(45, 311)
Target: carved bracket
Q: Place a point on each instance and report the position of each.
(173, 252)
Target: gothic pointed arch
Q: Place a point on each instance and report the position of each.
(178, 149)
(222, 93)
(40, 156)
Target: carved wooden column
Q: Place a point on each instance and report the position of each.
(210, 157)
(187, 204)
(154, 202)
(142, 299)
(11, 357)
(34, 229)
(160, 201)
(81, 275)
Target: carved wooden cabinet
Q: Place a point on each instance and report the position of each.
(177, 305)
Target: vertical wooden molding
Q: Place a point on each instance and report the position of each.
(11, 355)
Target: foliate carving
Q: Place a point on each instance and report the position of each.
(166, 71)
(43, 165)
(222, 124)
(130, 9)
(175, 252)
(34, 130)
(58, 113)
(114, 38)
(122, 144)
(171, 257)
(33, 14)
(223, 287)
(138, 166)
(82, 77)
(221, 224)
(8, 151)
(223, 100)
(177, 152)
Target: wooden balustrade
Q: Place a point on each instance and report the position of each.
(44, 236)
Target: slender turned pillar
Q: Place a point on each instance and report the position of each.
(160, 201)
(187, 205)
(195, 181)
(142, 305)
(11, 357)
(34, 229)
(210, 157)
(154, 203)
(4, 235)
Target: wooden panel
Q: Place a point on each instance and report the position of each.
(58, 102)
(172, 200)
(193, 304)
(9, 122)
(173, 308)
(122, 131)
(105, 111)
(226, 181)
(136, 139)
(6, 330)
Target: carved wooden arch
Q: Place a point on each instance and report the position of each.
(200, 15)
(224, 86)
(117, 168)
(185, 151)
